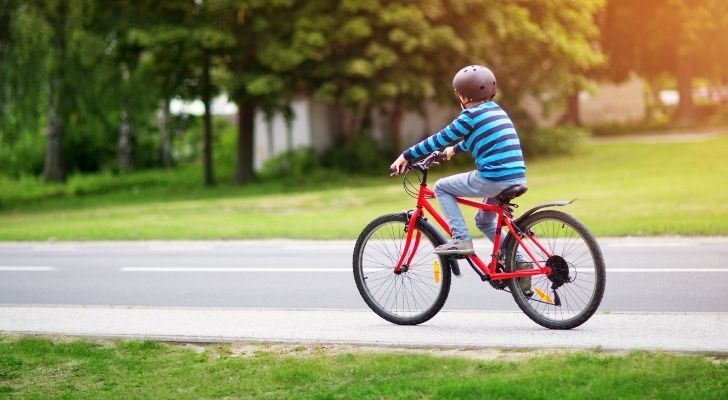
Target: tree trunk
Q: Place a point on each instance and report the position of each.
(358, 118)
(686, 107)
(208, 176)
(655, 106)
(269, 133)
(163, 125)
(244, 171)
(339, 120)
(53, 169)
(395, 125)
(289, 134)
(572, 109)
(125, 146)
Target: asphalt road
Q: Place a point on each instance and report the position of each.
(643, 274)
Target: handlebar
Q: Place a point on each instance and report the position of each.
(433, 159)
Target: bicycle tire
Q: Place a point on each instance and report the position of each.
(571, 242)
(409, 285)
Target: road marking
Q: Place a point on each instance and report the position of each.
(54, 247)
(178, 248)
(318, 247)
(26, 268)
(314, 269)
(44, 268)
(229, 269)
(660, 270)
(640, 244)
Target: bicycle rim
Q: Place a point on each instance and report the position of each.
(573, 292)
(412, 296)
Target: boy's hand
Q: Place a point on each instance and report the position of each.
(449, 152)
(398, 166)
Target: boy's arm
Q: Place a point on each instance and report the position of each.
(457, 130)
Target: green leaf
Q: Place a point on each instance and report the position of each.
(356, 94)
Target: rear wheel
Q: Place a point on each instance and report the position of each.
(417, 293)
(572, 293)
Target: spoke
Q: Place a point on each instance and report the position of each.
(385, 286)
(377, 285)
(425, 284)
(414, 299)
(568, 242)
(389, 289)
(423, 294)
(383, 266)
(388, 255)
(393, 241)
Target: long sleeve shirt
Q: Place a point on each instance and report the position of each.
(488, 134)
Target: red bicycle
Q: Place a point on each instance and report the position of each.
(405, 282)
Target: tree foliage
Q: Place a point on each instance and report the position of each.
(87, 76)
(682, 39)
(395, 55)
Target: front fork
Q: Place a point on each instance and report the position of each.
(403, 265)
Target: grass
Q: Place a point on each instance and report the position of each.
(41, 368)
(623, 188)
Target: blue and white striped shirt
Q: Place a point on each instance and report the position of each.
(488, 134)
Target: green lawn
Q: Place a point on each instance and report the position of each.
(44, 369)
(623, 188)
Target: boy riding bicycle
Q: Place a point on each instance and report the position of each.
(484, 130)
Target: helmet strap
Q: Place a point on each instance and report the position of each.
(465, 105)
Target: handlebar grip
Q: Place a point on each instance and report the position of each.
(392, 171)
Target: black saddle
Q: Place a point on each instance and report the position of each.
(511, 192)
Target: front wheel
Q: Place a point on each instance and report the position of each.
(412, 296)
(572, 293)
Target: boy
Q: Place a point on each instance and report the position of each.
(484, 130)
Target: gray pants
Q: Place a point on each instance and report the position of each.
(469, 184)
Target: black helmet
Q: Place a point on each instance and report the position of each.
(475, 83)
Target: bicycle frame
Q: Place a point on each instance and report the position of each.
(486, 271)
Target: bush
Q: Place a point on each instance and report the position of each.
(630, 128)
(24, 156)
(295, 164)
(28, 189)
(541, 142)
(359, 154)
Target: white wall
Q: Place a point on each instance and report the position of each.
(313, 121)
(271, 137)
(415, 126)
(622, 102)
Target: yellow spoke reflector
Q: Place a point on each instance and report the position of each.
(543, 296)
(436, 271)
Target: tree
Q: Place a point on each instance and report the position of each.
(538, 49)
(223, 39)
(365, 55)
(110, 65)
(62, 47)
(683, 39)
(259, 64)
(70, 79)
(397, 55)
(187, 43)
(24, 37)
